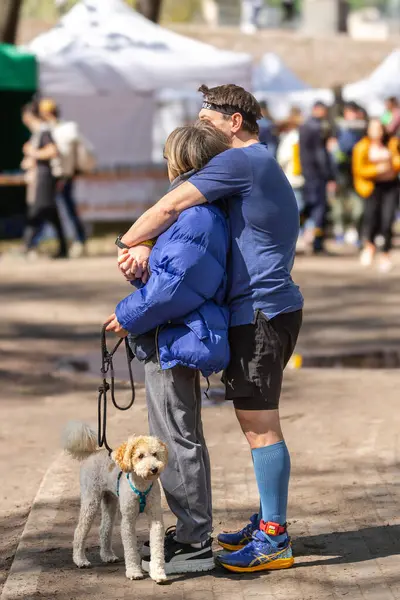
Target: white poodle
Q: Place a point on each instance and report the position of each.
(131, 473)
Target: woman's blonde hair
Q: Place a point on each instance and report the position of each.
(193, 146)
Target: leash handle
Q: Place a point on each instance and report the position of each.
(107, 365)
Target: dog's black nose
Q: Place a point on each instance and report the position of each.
(154, 470)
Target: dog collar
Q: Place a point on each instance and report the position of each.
(142, 495)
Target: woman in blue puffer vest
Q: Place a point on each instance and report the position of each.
(178, 323)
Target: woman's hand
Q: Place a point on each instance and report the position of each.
(113, 325)
(133, 263)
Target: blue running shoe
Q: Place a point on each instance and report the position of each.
(259, 555)
(239, 539)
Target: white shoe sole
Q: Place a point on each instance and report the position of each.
(177, 567)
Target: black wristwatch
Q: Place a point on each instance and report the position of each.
(120, 244)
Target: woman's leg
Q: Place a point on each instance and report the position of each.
(54, 219)
(34, 225)
(371, 221)
(172, 403)
(371, 224)
(389, 203)
(67, 195)
(201, 440)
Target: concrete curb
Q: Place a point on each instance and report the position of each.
(23, 578)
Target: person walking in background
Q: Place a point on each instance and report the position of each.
(65, 136)
(39, 153)
(30, 118)
(318, 172)
(391, 116)
(347, 208)
(268, 130)
(376, 166)
(288, 154)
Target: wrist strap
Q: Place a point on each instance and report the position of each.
(149, 243)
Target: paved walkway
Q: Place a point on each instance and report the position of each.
(341, 426)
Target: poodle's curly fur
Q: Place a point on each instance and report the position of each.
(144, 458)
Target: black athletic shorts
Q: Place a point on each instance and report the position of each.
(259, 353)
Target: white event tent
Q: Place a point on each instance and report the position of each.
(382, 83)
(274, 82)
(105, 64)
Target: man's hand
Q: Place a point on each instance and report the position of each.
(133, 263)
(113, 325)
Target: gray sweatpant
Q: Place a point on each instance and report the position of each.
(174, 407)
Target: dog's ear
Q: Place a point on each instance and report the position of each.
(164, 449)
(121, 457)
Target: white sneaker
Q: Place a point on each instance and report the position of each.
(77, 250)
(32, 255)
(385, 265)
(366, 257)
(351, 236)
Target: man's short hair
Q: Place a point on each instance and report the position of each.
(351, 106)
(237, 99)
(320, 104)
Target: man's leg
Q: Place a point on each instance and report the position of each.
(318, 213)
(271, 462)
(260, 352)
(174, 418)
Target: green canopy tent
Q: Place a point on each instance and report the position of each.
(18, 83)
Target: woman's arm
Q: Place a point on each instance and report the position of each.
(46, 153)
(185, 276)
(394, 149)
(362, 166)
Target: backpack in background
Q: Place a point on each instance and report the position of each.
(76, 154)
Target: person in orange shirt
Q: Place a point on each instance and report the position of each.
(376, 165)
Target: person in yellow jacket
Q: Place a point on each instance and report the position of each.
(376, 165)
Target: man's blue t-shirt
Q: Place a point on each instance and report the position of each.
(264, 222)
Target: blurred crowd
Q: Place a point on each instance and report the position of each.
(55, 153)
(344, 169)
(343, 166)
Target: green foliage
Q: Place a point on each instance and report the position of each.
(179, 11)
(44, 9)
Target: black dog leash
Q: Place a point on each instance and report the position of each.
(107, 365)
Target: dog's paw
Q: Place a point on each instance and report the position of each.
(82, 562)
(134, 573)
(109, 557)
(158, 576)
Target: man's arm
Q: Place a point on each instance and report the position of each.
(162, 215)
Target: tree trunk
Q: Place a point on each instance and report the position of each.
(343, 13)
(150, 9)
(9, 16)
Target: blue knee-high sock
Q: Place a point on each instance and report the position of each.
(272, 470)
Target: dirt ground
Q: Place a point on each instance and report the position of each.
(341, 425)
